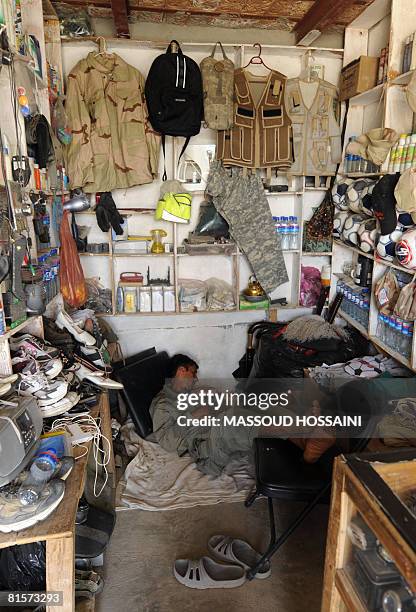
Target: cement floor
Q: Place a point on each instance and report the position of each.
(138, 565)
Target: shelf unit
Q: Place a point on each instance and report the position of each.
(32, 325)
(372, 486)
(343, 253)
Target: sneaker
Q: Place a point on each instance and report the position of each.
(50, 368)
(63, 320)
(5, 388)
(94, 356)
(30, 345)
(63, 405)
(8, 378)
(15, 517)
(29, 384)
(97, 378)
(52, 392)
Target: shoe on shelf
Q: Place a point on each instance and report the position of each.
(63, 320)
(54, 391)
(5, 388)
(8, 378)
(30, 345)
(93, 356)
(63, 405)
(97, 378)
(51, 368)
(29, 384)
(15, 517)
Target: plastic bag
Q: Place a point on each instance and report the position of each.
(405, 307)
(210, 222)
(74, 21)
(192, 295)
(219, 295)
(386, 292)
(310, 286)
(71, 276)
(23, 567)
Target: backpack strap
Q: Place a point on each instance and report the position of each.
(169, 49)
(164, 175)
(185, 144)
(222, 49)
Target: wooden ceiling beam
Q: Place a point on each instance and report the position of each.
(120, 16)
(320, 16)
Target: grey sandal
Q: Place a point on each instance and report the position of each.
(205, 573)
(226, 548)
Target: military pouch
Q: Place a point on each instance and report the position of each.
(218, 86)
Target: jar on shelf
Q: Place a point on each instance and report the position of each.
(169, 304)
(157, 298)
(145, 300)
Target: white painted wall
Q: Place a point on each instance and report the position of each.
(216, 340)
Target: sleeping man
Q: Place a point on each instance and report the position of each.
(212, 447)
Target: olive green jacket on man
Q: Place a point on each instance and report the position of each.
(113, 145)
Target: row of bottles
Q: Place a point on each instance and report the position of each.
(356, 302)
(403, 154)
(288, 230)
(355, 163)
(395, 333)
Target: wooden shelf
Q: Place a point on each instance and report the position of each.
(368, 97)
(30, 321)
(344, 245)
(353, 323)
(348, 593)
(307, 254)
(402, 79)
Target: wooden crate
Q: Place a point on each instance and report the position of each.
(373, 486)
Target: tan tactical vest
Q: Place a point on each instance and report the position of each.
(316, 132)
(262, 132)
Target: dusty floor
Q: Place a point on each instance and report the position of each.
(138, 566)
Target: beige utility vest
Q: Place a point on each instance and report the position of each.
(262, 133)
(316, 132)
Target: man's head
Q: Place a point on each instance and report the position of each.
(183, 372)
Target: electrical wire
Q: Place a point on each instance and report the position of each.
(101, 444)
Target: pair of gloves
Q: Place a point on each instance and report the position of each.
(108, 215)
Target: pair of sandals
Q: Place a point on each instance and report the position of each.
(205, 573)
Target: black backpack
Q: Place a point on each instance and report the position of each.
(174, 96)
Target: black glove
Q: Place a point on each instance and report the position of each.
(102, 217)
(113, 216)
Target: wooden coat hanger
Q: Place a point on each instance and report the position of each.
(257, 59)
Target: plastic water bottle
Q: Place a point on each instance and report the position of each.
(380, 327)
(284, 232)
(41, 471)
(295, 236)
(398, 328)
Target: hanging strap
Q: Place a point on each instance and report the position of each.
(185, 144)
(343, 129)
(222, 49)
(169, 49)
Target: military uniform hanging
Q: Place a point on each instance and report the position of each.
(218, 86)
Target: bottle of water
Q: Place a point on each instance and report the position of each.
(380, 327)
(290, 232)
(41, 470)
(294, 244)
(406, 340)
(398, 328)
(284, 232)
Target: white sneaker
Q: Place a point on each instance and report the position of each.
(52, 392)
(63, 320)
(63, 405)
(30, 345)
(5, 388)
(16, 517)
(50, 368)
(29, 384)
(8, 378)
(97, 378)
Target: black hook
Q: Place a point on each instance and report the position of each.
(259, 46)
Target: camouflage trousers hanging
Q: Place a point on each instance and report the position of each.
(241, 201)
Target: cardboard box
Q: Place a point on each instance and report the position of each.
(360, 75)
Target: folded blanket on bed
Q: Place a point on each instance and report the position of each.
(158, 480)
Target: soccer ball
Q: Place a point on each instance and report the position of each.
(366, 367)
(339, 190)
(367, 234)
(406, 249)
(350, 229)
(359, 189)
(339, 221)
(386, 246)
(405, 219)
(367, 199)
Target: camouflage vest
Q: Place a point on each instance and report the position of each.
(218, 86)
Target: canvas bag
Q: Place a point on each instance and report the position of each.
(218, 86)
(406, 304)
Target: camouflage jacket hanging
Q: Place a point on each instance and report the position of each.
(113, 145)
(262, 132)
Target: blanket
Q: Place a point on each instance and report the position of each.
(159, 480)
